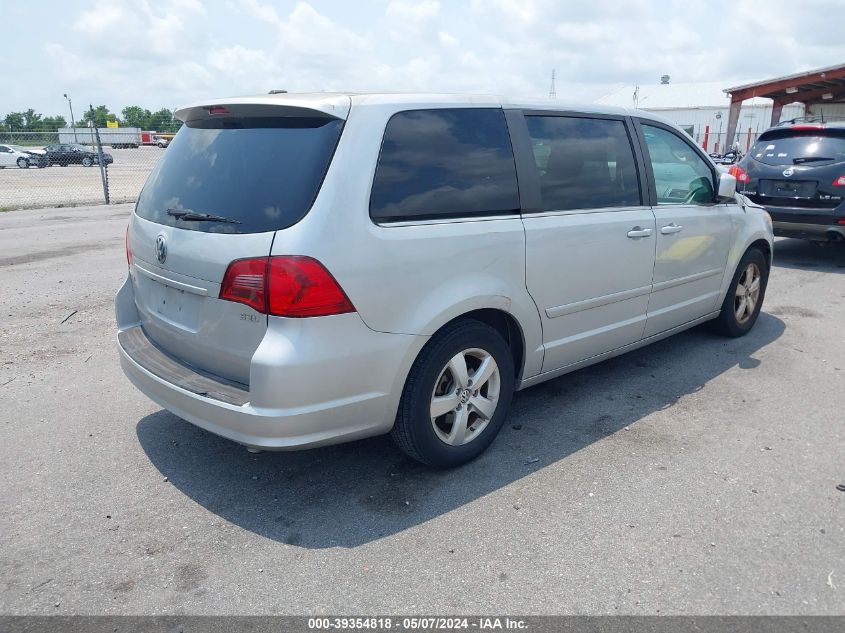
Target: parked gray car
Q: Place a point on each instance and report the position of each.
(405, 269)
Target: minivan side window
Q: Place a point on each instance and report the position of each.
(681, 176)
(445, 163)
(583, 163)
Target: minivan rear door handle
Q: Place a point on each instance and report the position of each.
(639, 231)
(672, 228)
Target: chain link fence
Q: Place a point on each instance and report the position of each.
(75, 166)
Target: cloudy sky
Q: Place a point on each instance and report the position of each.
(163, 53)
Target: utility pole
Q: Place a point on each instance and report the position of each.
(103, 171)
(72, 122)
(552, 92)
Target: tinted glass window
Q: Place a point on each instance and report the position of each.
(262, 172)
(800, 148)
(681, 176)
(445, 163)
(583, 163)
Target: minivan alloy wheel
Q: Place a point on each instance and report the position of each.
(456, 395)
(747, 293)
(465, 396)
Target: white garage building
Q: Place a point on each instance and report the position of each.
(702, 110)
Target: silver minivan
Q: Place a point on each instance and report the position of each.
(308, 269)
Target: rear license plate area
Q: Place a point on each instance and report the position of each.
(788, 188)
(172, 305)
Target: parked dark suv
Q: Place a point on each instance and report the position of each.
(65, 154)
(797, 172)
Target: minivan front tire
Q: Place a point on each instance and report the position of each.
(457, 395)
(744, 299)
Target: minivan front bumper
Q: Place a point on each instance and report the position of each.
(313, 382)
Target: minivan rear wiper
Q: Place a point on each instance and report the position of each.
(182, 214)
(808, 159)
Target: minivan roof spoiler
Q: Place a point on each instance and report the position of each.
(323, 104)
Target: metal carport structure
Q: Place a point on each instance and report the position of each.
(823, 85)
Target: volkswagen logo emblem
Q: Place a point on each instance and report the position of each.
(788, 172)
(161, 249)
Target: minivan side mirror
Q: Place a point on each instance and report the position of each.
(726, 190)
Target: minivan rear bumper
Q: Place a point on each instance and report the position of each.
(313, 382)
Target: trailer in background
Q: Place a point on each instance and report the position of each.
(118, 138)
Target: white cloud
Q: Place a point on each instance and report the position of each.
(412, 11)
(263, 12)
(162, 52)
(527, 11)
(447, 39)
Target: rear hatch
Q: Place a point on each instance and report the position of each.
(235, 173)
(798, 167)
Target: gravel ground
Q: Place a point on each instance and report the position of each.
(696, 476)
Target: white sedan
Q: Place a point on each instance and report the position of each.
(15, 155)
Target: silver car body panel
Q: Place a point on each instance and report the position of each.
(692, 243)
(578, 288)
(588, 312)
(178, 301)
(336, 105)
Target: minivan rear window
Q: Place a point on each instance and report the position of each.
(262, 173)
(445, 163)
(800, 147)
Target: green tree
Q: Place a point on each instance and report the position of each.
(99, 116)
(162, 121)
(32, 121)
(53, 123)
(133, 116)
(136, 116)
(15, 121)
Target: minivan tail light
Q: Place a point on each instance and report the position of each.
(739, 173)
(839, 182)
(288, 286)
(128, 250)
(302, 287)
(245, 282)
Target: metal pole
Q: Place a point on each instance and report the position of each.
(72, 123)
(103, 173)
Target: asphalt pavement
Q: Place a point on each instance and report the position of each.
(695, 476)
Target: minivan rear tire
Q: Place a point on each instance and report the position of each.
(728, 323)
(415, 432)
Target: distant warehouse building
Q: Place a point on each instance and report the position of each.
(702, 110)
(717, 116)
